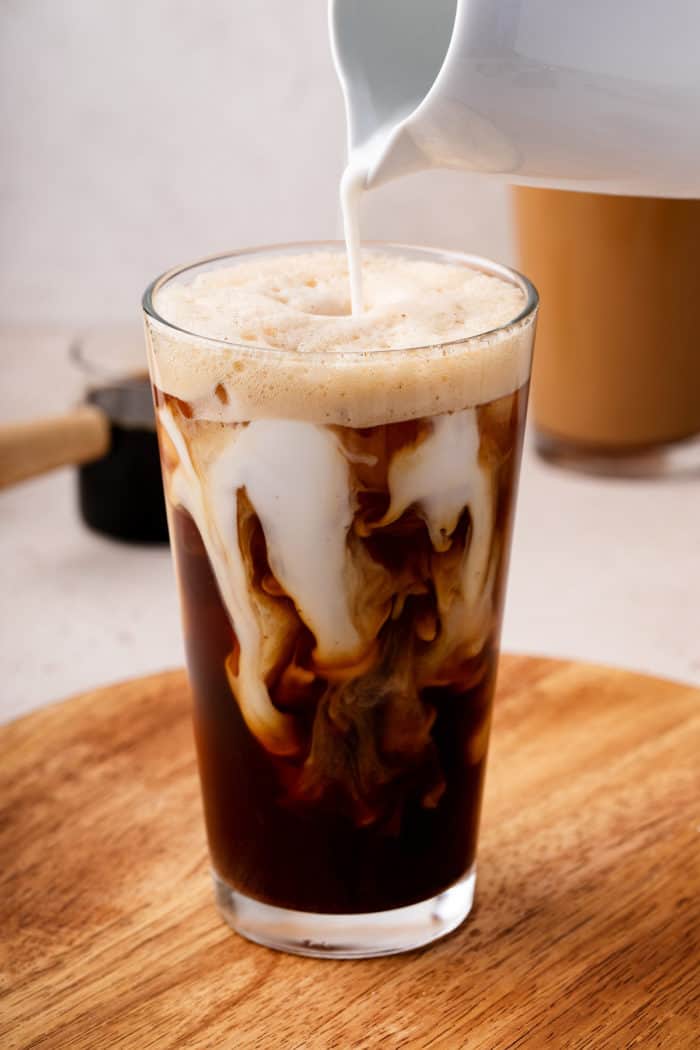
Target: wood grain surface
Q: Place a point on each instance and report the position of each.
(586, 930)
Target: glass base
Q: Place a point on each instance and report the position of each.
(676, 459)
(346, 936)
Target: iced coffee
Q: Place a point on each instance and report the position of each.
(340, 492)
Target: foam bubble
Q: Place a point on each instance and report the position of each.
(294, 349)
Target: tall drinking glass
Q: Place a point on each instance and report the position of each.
(340, 520)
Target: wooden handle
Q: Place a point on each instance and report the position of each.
(27, 449)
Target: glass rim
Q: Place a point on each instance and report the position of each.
(456, 257)
(106, 367)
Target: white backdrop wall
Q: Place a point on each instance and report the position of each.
(134, 135)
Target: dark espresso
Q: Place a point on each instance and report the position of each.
(378, 805)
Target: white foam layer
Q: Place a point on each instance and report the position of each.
(295, 351)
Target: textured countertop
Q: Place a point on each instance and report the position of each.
(601, 570)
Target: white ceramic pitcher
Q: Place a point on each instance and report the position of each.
(580, 94)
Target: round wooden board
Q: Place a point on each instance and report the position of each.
(586, 931)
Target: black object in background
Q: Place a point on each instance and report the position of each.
(121, 494)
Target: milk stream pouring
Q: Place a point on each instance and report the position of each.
(596, 96)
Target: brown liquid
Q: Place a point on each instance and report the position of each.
(618, 354)
(380, 806)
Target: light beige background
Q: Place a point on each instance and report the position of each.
(136, 135)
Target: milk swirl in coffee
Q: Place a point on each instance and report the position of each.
(340, 493)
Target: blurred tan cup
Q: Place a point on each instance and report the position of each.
(617, 368)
